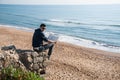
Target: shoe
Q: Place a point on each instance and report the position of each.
(48, 57)
(42, 72)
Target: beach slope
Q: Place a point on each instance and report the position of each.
(69, 62)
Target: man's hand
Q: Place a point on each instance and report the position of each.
(55, 42)
(50, 41)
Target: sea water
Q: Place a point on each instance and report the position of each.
(93, 26)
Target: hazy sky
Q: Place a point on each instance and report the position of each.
(59, 1)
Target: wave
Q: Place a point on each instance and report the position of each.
(65, 21)
(86, 43)
(82, 25)
(89, 43)
(78, 22)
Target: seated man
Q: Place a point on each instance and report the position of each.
(38, 38)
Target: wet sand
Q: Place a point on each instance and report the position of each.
(69, 62)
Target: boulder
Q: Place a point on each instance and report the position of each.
(28, 60)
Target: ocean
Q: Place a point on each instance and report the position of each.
(93, 26)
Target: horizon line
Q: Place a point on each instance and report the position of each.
(62, 4)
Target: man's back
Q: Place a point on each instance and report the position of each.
(38, 38)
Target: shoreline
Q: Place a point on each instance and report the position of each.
(69, 62)
(89, 44)
(66, 43)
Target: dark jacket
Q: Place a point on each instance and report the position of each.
(38, 38)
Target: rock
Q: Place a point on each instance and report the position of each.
(10, 47)
(35, 54)
(27, 60)
(9, 57)
(35, 66)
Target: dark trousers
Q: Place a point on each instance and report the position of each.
(45, 47)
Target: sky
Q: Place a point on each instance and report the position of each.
(59, 1)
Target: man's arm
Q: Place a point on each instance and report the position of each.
(46, 39)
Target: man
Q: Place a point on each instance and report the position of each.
(38, 38)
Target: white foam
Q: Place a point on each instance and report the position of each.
(88, 43)
(55, 23)
(55, 20)
(63, 22)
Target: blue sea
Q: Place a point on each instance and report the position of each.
(93, 26)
